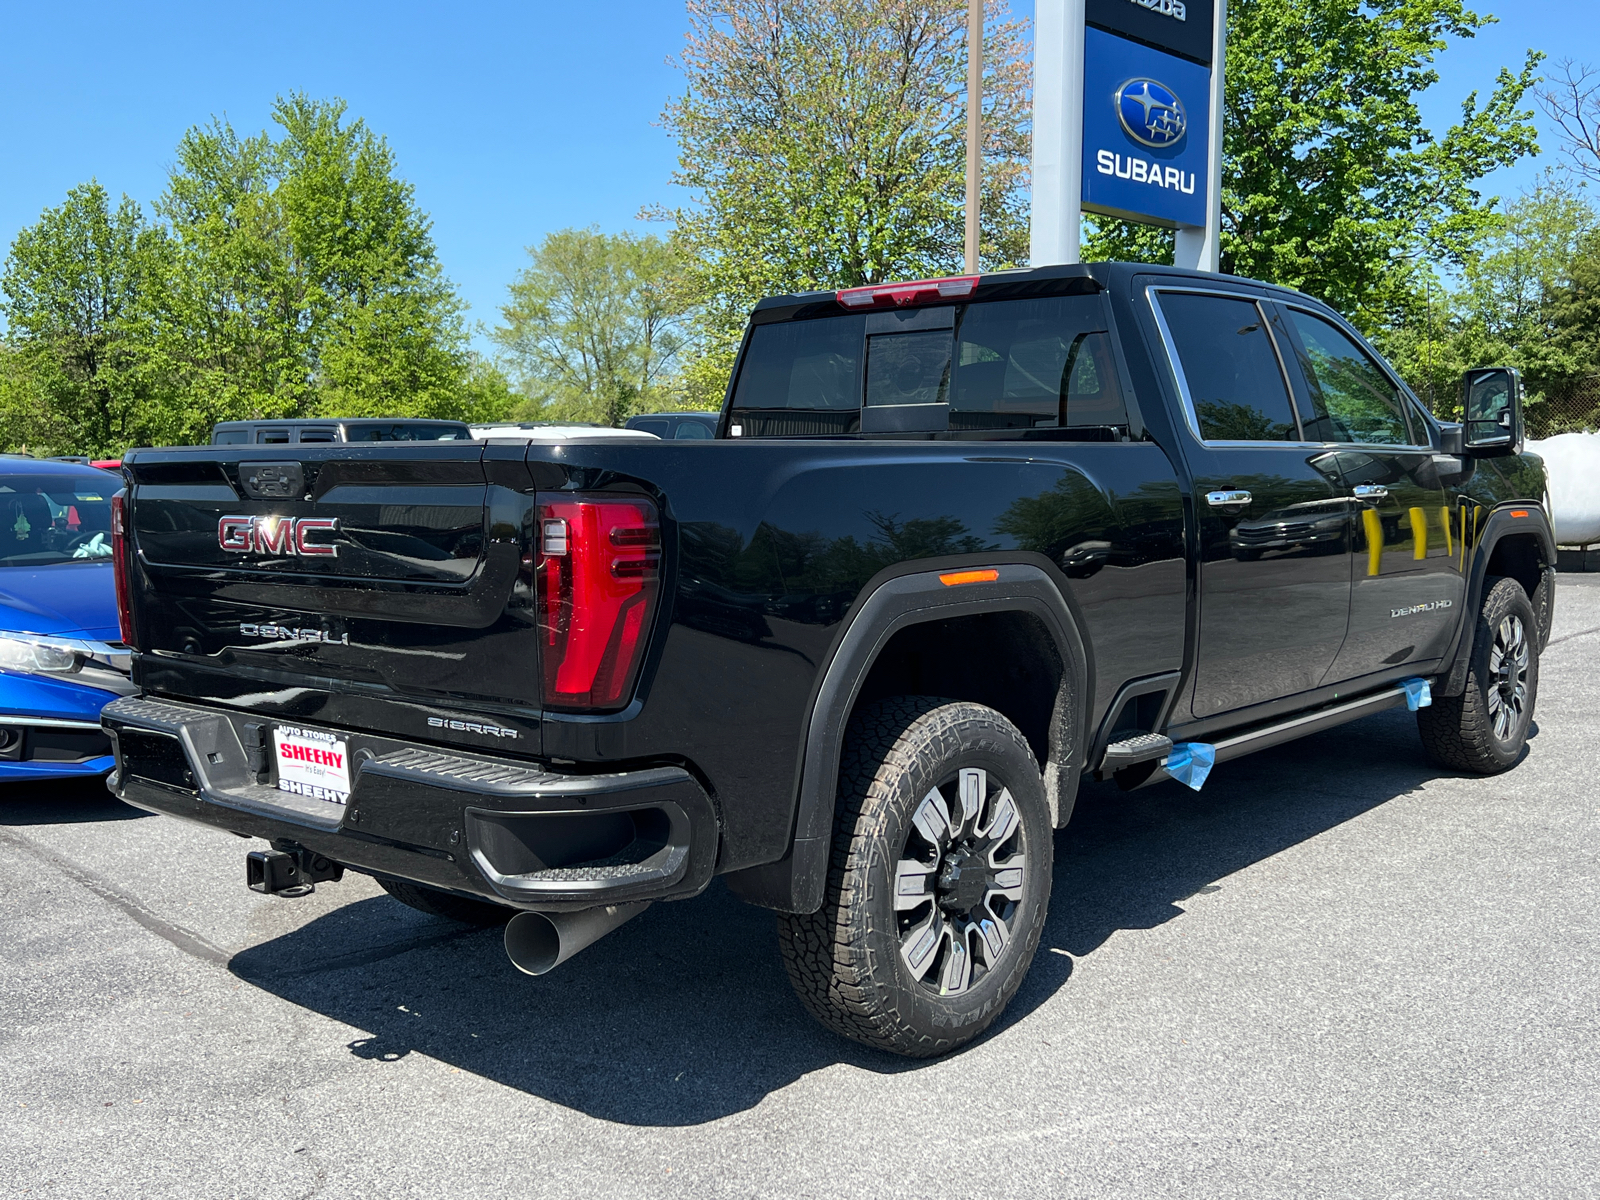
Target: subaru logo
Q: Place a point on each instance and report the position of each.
(1151, 113)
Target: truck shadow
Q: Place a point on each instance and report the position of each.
(684, 1015)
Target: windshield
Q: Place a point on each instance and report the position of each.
(47, 519)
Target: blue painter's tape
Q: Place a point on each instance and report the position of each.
(1190, 762)
(1418, 694)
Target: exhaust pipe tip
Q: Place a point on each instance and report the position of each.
(537, 943)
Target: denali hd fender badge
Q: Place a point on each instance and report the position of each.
(458, 726)
(283, 536)
(1414, 609)
(285, 633)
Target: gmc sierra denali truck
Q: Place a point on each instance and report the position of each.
(956, 545)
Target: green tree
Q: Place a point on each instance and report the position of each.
(595, 326)
(824, 146)
(76, 288)
(307, 281)
(291, 275)
(1331, 182)
(1504, 307)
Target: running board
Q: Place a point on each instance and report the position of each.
(1266, 736)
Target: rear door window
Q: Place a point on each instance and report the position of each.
(659, 428)
(272, 437)
(692, 429)
(1229, 368)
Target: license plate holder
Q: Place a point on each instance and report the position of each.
(312, 763)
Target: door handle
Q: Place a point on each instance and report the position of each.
(1228, 499)
(1370, 491)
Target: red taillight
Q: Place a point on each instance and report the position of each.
(598, 575)
(899, 295)
(119, 566)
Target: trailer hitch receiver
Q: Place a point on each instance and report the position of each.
(289, 870)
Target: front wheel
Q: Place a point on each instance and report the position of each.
(1484, 729)
(938, 884)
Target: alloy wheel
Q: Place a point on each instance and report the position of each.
(1508, 676)
(958, 882)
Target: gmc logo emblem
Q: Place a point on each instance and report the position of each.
(277, 535)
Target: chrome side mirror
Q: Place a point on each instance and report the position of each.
(1491, 401)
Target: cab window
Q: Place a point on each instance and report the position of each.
(1231, 370)
(1035, 364)
(1352, 398)
(802, 377)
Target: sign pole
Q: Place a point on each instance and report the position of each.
(1057, 131)
(1200, 247)
(974, 126)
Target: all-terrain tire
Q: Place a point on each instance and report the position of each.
(1468, 732)
(851, 961)
(443, 904)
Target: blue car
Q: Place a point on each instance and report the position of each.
(61, 655)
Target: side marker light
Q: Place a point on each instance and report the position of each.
(953, 578)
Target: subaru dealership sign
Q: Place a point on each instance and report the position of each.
(1127, 121)
(1146, 120)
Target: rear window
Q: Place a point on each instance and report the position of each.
(394, 431)
(1006, 364)
(46, 519)
(803, 377)
(1035, 364)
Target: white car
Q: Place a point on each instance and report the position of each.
(549, 431)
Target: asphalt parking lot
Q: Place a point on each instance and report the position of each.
(1334, 972)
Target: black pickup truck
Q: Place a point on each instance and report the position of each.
(956, 545)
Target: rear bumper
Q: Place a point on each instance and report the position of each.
(499, 829)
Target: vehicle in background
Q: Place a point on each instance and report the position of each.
(336, 429)
(61, 654)
(105, 464)
(677, 426)
(552, 431)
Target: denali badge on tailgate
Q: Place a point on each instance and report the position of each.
(277, 535)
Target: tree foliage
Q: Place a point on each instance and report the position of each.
(1332, 183)
(823, 144)
(287, 275)
(77, 289)
(594, 325)
(1516, 302)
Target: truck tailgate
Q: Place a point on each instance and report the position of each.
(382, 586)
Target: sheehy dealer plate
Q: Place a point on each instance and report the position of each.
(312, 763)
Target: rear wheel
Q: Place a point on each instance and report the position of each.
(443, 904)
(938, 884)
(1485, 728)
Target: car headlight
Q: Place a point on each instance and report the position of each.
(21, 653)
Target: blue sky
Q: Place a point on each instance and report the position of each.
(512, 120)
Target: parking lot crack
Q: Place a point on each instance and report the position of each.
(187, 940)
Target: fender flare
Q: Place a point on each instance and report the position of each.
(1499, 525)
(795, 883)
